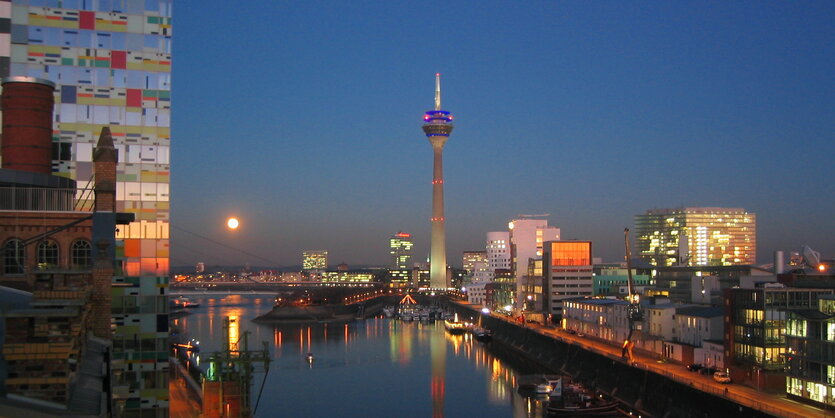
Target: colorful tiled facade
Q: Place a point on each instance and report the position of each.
(111, 63)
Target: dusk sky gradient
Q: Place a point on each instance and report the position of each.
(302, 118)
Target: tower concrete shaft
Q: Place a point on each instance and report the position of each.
(437, 127)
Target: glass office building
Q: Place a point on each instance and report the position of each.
(111, 63)
(696, 236)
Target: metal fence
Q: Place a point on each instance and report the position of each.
(44, 199)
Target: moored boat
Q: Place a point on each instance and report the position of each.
(454, 326)
(572, 399)
(482, 334)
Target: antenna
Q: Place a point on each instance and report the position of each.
(437, 91)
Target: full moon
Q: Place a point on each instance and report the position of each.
(232, 223)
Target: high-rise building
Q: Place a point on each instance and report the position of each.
(498, 252)
(314, 260)
(567, 270)
(400, 249)
(697, 236)
(111, 63)
(526, 237)
(437, 126)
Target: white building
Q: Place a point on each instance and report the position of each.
(498, 251)
(527, 237)
(476, 293)
(695, 324)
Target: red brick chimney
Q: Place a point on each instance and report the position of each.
(104, 169)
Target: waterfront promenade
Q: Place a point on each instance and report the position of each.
(774, 404)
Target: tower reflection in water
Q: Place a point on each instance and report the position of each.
(407, 350)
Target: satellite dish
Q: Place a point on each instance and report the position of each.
(812, 257)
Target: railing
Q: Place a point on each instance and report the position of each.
(43, 199)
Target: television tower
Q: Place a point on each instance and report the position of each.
(437, 126)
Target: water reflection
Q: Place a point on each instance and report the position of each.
(376, 367)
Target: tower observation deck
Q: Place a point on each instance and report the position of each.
(437, 126)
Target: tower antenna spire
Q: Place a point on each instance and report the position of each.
(437, 91)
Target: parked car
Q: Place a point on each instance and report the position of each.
(722, 377)
(580, 334)
(709, 371)
(571, 331)
(694, 367)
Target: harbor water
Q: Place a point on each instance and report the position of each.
(376, 367)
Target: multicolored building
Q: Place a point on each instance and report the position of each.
(111, 63)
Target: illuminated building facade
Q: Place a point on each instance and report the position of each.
(111, 63)
(498, 252)
(437, 126)
(399, 278)
(471, 258)
(400, 249)
(697, 236)
(343, 276)
(314, 260)
(756, 323)
(810, 335)
(567, 270)
(526, 238)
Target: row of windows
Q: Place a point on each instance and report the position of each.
(120, 41)
(135, 154)
(136, 7)
(47, 255)
(112, 115)
(105, 77)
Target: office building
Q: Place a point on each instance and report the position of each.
(810, 336)
(498, 252)
(471, 258)
(315, 260)
(111, 63)
(400, 249)
(611, 279)
(567, 273)
(755, 330)
(437, 126)
(696, 236)
(527, 236)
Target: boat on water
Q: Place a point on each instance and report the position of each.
(454, 326)
(482, 334)
(182, 302)
(573, 399)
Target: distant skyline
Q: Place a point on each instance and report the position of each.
(303, 120)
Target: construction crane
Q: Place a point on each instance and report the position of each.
(633, 311)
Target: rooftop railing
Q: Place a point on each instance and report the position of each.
(45, 199)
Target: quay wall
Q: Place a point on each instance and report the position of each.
(646, 392)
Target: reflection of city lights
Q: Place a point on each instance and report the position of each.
(234, 332)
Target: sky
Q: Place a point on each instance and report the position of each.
(303, 119)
